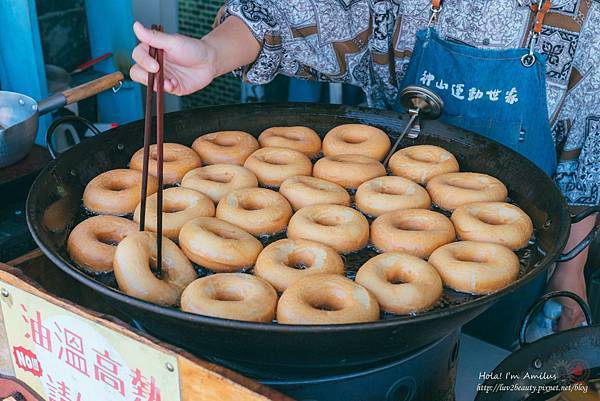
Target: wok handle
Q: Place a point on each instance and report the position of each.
(576, 218)
(58, 122)
(577, 249)
(555, 294)
(80, 92)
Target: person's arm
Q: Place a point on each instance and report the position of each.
(258, 39)
(191, 64)
(577, 173)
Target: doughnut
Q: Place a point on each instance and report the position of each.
(235, 296)
(385, 194)
(348, 171)
(180, 205)
(422, 162)
(259, 211)
(402, 283)
(475, 267)
(452, 190)
(326, 299)
(498, 222)
(417, 232)
(273, 165)
(116, 192)
(356, 139)
(218, 180)
(92, 242)
(225, 147)
(342, 228)
(286, 261)
(218, 245)
(301, 139)
(134, 262)
(303, 191)
(177, 160)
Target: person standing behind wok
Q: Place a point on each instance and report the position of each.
(482, 57)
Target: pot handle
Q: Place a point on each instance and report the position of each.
(584, 307)
(577, 249)
(58, 122)
(80, 92)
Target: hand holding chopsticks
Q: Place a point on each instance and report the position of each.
(157, 54)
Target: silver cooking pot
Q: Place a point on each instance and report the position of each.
(19, 115)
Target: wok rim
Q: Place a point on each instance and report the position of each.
(178, 314)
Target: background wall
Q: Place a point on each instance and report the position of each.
(195, 19)
(63, 31)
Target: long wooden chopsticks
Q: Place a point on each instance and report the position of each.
(153, 78)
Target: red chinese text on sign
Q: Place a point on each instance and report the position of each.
(144, 389)
(106, 370)
(59, 391)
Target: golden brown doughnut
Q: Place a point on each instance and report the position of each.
(356, 139)
(301, 139)
(218, 245)
(417, 232)
(348, 171)
(286, 261)
(303, 191)
(342, 228)
(326, 299)
(177, 160)
(235, 296)
(420, 163)
(180, 205)
(401, 283)
(225, 147)
(475, 267)
(259, 211)
(273, 165)
(452, 190)
(498, 222)
(218, 180)
(92, 243)
(116, 192)
(386, 194)
(134, 273)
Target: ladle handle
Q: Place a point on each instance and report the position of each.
(408, 127)
(80, 92)
(587, 312)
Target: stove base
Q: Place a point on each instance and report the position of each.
(425, 375)
(428, 374)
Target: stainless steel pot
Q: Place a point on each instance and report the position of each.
(19, 115)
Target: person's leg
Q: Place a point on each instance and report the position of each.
(569, 276)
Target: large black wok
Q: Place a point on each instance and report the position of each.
(54, 201)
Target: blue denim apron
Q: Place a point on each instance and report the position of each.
(489, 92)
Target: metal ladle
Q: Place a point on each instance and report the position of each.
(421, 103)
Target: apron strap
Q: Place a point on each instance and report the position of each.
(539, 17)
(436, 8)
(528, 60)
